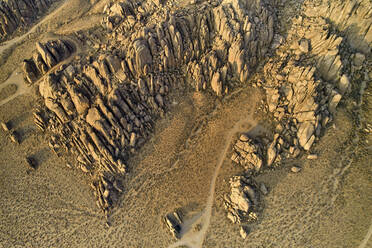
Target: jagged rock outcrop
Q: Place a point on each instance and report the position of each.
(216, 43)
(102, 108)
(304, 81)
(173, 221)
(99, 118)
(307, 78)
(248, 153)
(107, 190)
(16, 13)
(44, 58)
(352, 18)
(243, 202)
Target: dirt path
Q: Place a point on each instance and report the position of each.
(9, 44)
(190, 236)
(366, 238)
(15, 79)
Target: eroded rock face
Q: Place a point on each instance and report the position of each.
(173, 221)
(16, 13)
(242, 203)
(248, 153)
(102, 107)
(305, 80)
(215, 42)
(44, 58)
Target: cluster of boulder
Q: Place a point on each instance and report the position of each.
(173, 221)
(243, 202)
(16, 13)
(248, 153)
(304, 82)
(102, 108)
(211, 45)
(93, 109)
(46, 56)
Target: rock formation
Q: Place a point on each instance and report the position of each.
(216, 43)
(304, 81)
(173, 221)
(44, 58)
(242, 204)
(102, 108)
(248, 153)
(16, 13)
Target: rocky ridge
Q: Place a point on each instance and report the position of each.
(309, 74)
(45, 58)
(102, 107)
(243, 202)
(17, 13)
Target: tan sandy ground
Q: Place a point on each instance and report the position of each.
(328, 204)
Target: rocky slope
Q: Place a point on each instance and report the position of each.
(17, 13)
(101, 106)
(305, 80)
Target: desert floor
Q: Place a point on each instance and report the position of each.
(327, 204)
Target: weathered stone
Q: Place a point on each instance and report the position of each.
(312, 156)
(295, 169)
(334, 102)
(14, 137)
(242, 201)
(247, 153)
(143, 54)
(304, 132)
(271, 153)
(238, 198)
(5, 126)
(216, 84)
(263, 189)
(344, 84)
(359, 59)
(117, 9)
(244, 231)
(133, 139)
(30, 71)
(304, 46)
(48, 58)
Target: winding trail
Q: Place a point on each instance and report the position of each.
(16, 78)
(8, 44)
(366, 238)
(190, 236)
